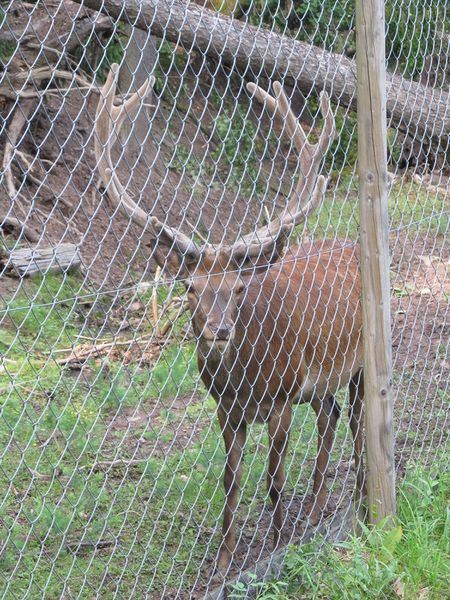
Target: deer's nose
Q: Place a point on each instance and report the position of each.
(222, 332)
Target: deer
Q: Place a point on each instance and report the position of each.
(274, 326)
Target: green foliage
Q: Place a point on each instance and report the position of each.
(328, 23)
(412, 556)
(110, 53)
(394, 149)
(273, 590)
(7, 50)
(169, 57)
(321, 22)
(235, 160)
(184, 160)
(237, 151)
(412, 28)
(343, 153)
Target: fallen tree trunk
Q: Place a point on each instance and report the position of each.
(419, 110)
(29, 261)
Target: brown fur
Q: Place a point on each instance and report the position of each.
(296, 338)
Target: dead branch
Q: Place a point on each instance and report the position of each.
(32, 64)
(430, 187)
(18, 122)
(77, 546)
(11, 224)
(119, 462)
(57, 41)
(29, 170)
(83, 353)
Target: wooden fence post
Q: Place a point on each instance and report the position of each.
(373, 199)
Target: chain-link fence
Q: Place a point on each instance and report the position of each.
(187, 289)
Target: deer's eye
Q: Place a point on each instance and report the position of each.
(239, 289)
(191, 292)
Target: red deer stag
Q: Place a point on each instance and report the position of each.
(272, 330)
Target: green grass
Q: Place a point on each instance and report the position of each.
(53, 427)
(411, 210)
(409, 560)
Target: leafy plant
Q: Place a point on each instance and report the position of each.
(411, 556)
(237, 150)
(321, 22)
(412, 28)
(7, 50)
(169, 57)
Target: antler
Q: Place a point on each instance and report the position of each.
(266, 241)
(109, 119)
(310, 187)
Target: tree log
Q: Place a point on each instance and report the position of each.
(417, 109)
(29, 261)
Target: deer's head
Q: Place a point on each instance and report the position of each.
(215, 277)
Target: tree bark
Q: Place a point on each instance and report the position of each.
(417, 109)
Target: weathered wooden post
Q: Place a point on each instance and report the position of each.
(373, 198)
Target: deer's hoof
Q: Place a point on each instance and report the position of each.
(222, 567)
(219, 575)
(312, 510)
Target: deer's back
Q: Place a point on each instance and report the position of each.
(298, 332)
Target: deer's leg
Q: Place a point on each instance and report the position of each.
(234, 438)
(327, 411)
(279, 426)
(356, 388)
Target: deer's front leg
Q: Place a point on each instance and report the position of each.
(234, 435)
(279, 425)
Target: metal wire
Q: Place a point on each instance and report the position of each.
(111, 457)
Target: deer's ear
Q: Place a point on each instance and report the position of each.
(177, 262)
(258, 257)
(173, 250)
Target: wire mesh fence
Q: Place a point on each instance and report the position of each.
(187, 288)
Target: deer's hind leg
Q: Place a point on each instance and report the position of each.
(356, 388)
(327, 412)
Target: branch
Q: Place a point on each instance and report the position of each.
(11, 223)
(20, 118)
